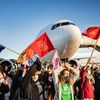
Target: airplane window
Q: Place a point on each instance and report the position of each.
(55, 26)
(67, 23)
(61, 24)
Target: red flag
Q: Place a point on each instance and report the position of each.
(92, 32)
(41, 46)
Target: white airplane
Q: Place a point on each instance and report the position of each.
(61, 33)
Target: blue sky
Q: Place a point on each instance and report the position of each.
(21, 20)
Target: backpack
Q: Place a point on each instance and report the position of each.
(77, 89)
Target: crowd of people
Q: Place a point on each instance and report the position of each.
(41, 81)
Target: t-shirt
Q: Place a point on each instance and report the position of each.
(66, 92)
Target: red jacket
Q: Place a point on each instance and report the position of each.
(87, 88)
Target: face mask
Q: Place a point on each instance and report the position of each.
(66, 79)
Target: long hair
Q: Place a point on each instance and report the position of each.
(28, 80)
(62, 77)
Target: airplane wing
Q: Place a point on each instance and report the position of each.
(84, 53)
(90, 45)
(79, 58)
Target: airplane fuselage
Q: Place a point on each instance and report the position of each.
(63, 33)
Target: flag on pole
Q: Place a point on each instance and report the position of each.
(92, 32)
(41, 46)
(65, 50)
(56, 60)
(2, 47)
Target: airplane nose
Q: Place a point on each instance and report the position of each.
(62, 35)
(73, 39)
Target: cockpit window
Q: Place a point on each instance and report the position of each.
(55, 26)
(67, 23)
(61, 24)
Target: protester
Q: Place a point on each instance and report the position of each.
(65, 85)
(28, 89)
(97, 83)
(87, 81)
(48, 86)
(15, 82)
(75, 72)
(4, 88)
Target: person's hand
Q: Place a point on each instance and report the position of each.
(24, 72)
(89, 60)
(66, 65)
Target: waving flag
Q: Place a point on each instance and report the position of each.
(92, 32)
(2, 47)
(56, 60)
(41, 46)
